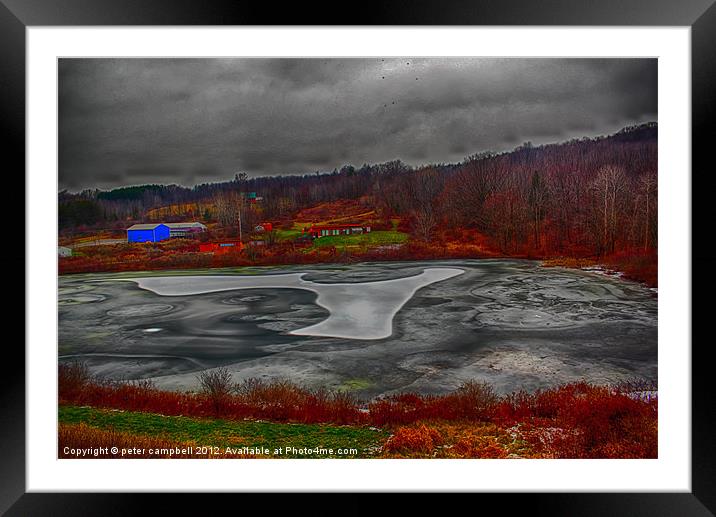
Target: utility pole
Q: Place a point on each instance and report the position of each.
(239, 179)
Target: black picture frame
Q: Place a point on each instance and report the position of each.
(17, 15)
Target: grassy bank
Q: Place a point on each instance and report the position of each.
(375, 238)
(571, 421)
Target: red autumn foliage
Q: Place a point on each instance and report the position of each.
(455, 243)
(483, 447)
(572, 421)
(584, 421)
(173, 254)
(413, 439)
(637, 265)
(277, 401)
(472, 401)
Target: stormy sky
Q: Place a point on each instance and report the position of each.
(187, 121)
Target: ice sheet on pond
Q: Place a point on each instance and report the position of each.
(356, 310)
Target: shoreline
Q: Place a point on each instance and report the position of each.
(609, 268)
(470, 422)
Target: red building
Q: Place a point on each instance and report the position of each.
(221, 247)
(338, 229)
(263, 227)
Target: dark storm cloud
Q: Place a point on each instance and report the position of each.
(186, 121)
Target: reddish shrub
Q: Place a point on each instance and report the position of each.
(72, 378)
(413, 439)
(584, 421)
(217, 386)
(479, 447)
(472, 401)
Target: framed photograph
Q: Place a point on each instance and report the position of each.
(444, 250)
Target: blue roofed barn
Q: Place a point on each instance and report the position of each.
(147, 233)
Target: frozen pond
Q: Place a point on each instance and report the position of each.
(371, 328)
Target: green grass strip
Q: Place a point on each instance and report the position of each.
(231, 433)
(377, 238)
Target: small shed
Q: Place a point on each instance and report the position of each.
(341, 229)
(147, 232)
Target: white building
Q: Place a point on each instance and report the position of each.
(185, 229)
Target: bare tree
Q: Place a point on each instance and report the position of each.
(424, 224)
(217, 386)
(230, 210)
(469, 189)
(648, 188)
(609, 185)
(423, 189)
(537, 200)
